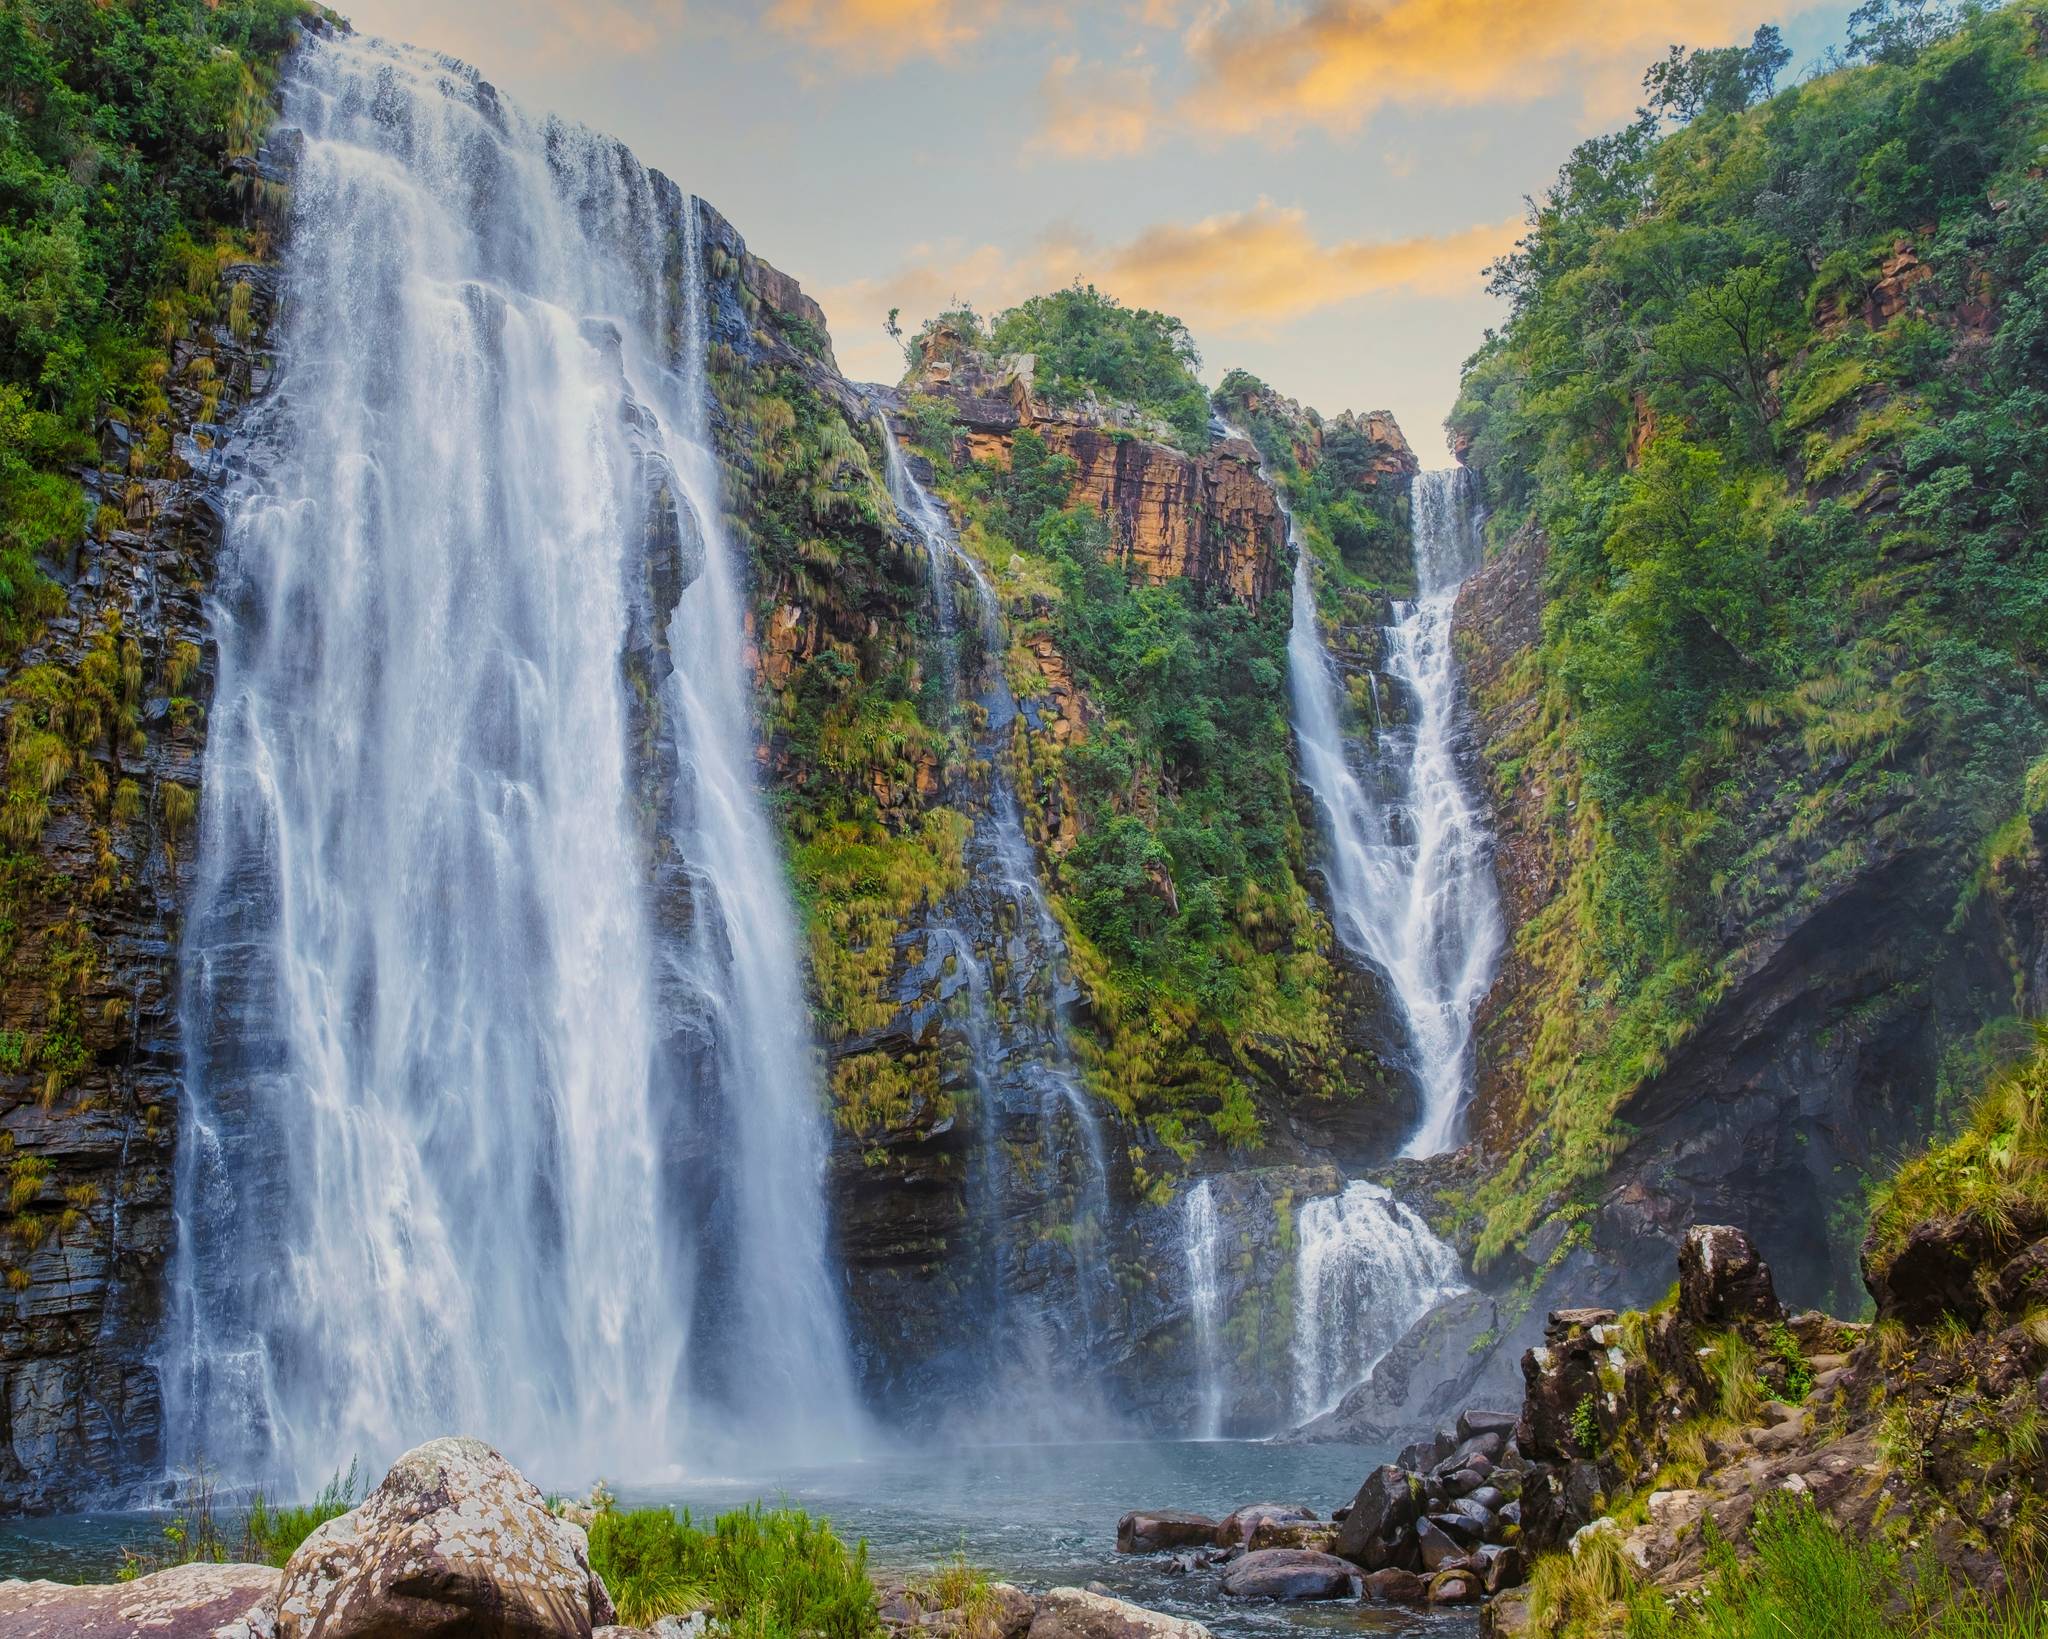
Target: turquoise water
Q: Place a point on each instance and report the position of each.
(1041, 1516)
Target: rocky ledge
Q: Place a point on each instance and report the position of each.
(1608, 1401)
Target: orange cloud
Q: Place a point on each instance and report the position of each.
(882, 33)
(1334, 62)
(1090, 110)
(1236, 274)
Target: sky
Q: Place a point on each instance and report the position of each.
(1314, 186)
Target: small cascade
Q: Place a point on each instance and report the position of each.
(1366, 1269)
(1202, 1235)
(1016, 995)
(1409, 857)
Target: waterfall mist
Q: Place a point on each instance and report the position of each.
(502, 1115)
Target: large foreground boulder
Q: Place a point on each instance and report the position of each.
(184, 1602)
(455, 1541)
(1074, 1613)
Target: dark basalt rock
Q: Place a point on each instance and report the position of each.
(1935, 1272)
(1436, 1546)
(1397, 1587)
(1387, 1503)
(1723, 1279)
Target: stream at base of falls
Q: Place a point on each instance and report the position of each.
(1039, 1515)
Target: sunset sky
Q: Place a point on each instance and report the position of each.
(1313, 186)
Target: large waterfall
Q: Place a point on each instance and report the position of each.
(503, 1115)
(1410, 866)
(1040, 1153)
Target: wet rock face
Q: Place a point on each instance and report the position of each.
(184, 1602)
(93, 950)
(454, 1540)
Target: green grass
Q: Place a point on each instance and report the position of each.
(758, 1573)
(273, 1535)
(1809, 1579)
(1995, 1170)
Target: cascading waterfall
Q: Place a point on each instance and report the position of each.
(1410, 866)
(1202, 1235)
(502, 1115)
(1366, 1269)
(1015, 1016)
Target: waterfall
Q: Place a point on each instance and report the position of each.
(1026, 1082)
(1410, 867)
(1366, 1269)
(1202, 1235)
(502, 1115)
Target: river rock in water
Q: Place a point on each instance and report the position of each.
(1292, 1573)
(1075, 1613)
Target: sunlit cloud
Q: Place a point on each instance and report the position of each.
(882, 33)
(1244, 273)
(1332, 63)
(1092, 109)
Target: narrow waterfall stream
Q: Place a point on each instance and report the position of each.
(1409, 858)
(1016, 994)
(503, 1115)
(1202, 1231)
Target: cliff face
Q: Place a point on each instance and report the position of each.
(89, 987)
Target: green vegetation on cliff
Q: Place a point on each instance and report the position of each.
(1772, 390)
(117, 121)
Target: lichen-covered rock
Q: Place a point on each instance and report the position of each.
(1075, 1613)
(1292, 1573)
(1723, 1279)
(455, 1540)
(184, 1602)
(1147, 1531)
(1238, 1529)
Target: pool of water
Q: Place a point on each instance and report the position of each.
(1040, 1515)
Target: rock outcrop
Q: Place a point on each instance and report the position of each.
(184, 1602)
(454, 1540)
(113, 695)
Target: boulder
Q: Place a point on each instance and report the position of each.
(1077, 1613)
(1457, 1585)
(1147, 1531)
(1476, 1421)
(1426, 1454)
(184, 1602)
(1237, 1530)
(1723, 1279)
(1437, 1549)
(1397, 1586)
(1935, 1272)
(1502, 1566)
(455, 1540)
(1292, 1573)
(1389, 1501)
(1507, 1617)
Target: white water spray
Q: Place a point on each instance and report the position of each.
(1366, 1269)
(502, 1112)
(1202, 1235)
